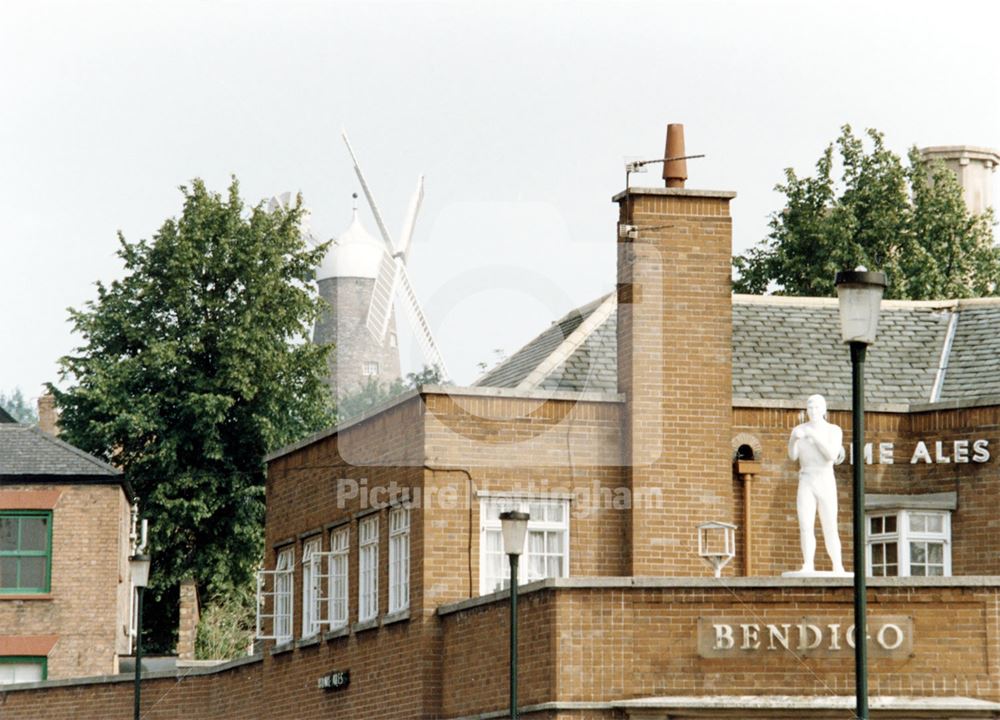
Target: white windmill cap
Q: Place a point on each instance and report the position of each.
(354, 254)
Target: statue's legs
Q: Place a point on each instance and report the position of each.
(805, 503)
(828, 521)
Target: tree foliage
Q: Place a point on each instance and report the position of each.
(227, 625)
(193, 366)
(907, 220)
(18, 407)
(375, 393)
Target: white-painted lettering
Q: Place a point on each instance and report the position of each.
(881, 636)
(724, 637)
(805, 629)
(751, 637)
(835, 636)
(868, 453)
(775, 634)
(885, 453)
(980, 451)
(920, 453)
(961, 451)
(939, 453)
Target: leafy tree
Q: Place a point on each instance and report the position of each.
(227, 625)
(374, 392)
(192, 367)
(880, 213)
(18, 407)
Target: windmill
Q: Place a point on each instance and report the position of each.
(285, 202)
(392, 283)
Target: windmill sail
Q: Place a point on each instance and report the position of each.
(380, 307)
(392, 283)
(421, 329)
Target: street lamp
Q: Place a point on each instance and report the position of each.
(514, 526)
(139, 567)
(860, 297)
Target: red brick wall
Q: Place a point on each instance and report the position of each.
(88, 603)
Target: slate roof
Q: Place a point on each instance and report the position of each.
(514, 369)
(6, 417)
(784, 348)
(26, 450)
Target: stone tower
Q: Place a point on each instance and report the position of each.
(346, 278)
(974, 168)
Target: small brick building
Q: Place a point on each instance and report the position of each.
(621, 428)
(64, 539)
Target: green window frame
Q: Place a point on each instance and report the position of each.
(26, 660)
(21, 549)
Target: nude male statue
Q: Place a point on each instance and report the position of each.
(817, 445)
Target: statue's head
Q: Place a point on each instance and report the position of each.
(816, 407)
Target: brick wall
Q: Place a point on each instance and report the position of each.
(605, 644)
(87, 607)
(675, 368)
(975, 526)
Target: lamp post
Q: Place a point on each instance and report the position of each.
(860, 298)
(139, 567)
(514, 526)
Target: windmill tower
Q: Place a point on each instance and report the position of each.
(346, 280)
(362, 279)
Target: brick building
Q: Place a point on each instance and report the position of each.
(64, 587)
(621, 428)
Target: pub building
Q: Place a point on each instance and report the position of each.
(625, 429)
(650, 437)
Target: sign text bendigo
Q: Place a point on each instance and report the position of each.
(753, 638)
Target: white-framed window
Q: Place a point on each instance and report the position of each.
(340, 543)
(399, 559)
(22, 669)
(546, 547)
(369, 368)
(311, 592)
(909, 543)
(368, 568)
(275, 595)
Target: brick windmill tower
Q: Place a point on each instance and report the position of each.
(362, 278)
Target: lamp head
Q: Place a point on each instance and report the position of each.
(860, 297)
(514, 526)
(139, 567)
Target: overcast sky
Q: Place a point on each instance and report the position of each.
(520, 115)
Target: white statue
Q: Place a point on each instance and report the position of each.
(817, 445)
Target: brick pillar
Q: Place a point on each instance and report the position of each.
(189, 615)
(675, 368)
(48, 418)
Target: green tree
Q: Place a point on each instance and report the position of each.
(908, 220)
(193, 366)
(18, 407)
(227, 625)
(374, 392)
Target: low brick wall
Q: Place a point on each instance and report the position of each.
(608, 639)
(233, 690)
(587, 645)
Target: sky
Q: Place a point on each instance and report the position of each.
(520, 115)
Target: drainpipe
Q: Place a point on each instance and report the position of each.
(746, 469)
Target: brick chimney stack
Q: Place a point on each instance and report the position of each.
(675, 365)
(48, 418)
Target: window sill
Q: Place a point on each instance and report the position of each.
(395, 617)
(25, 596)
(338, 633)
(308, 641)
(366, 625)
(282, 648)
